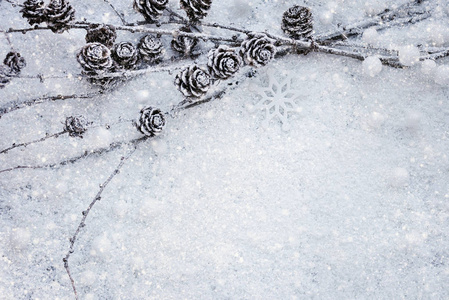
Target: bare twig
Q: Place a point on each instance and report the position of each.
(87, 211)
(72, 160)
(33, 142)
(14, 105)
(120, 15)
(411, 13)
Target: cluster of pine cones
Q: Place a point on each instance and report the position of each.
(152, 10)
(57, 14)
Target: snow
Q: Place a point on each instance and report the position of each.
(409, 55)
(350, 203)
(372, 66)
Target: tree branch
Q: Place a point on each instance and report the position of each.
(89, 208)
(120, 15)
(55, 135)
(14, 105)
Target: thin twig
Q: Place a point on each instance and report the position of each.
(87, 211)
(33, 142)
(72, 160)
(14, 105)
(120, 15)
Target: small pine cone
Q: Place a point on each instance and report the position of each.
(223, 62)
(151, 121)
(151, 9)
(257, 50)
(101, 33)
(193, 81)
(33, 11)
(58, 14)
(297, 22)
(125, 55)
(184, 44)
(150, 48)
(196, 9)
(95, 58)
(15, 62)
(76, 126)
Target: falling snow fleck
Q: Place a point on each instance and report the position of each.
(278, 100)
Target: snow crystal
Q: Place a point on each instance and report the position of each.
(278, 99)
(372, 66)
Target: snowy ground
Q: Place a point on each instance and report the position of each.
(351, 203)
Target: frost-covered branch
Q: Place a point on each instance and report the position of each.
(55, 135)
(85, 213)
(119, 14)
(15, 105)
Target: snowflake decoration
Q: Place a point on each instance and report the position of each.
(278, 100)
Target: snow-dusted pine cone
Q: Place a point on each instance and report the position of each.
(150, 9)
(297, 22)
(15, 62)
(125, 55)
(58, 14)
(76, 125)
(151, 121)
(150, 48)
(193, 81)
(223, 62)
(33, 11)
(95, 58)
(257, 50)
(101, 33)
(184, 44)
(196, 9)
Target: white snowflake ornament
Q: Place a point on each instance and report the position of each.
(278, 100)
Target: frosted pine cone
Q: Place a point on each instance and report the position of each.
(58, 14)
(184, 44)
(223, 62)
(193, 81)
(150, 9)
(95, 58)
(150, 48)
(196, 9)
(151, 121)
(33, 11)
(15, 62)
(101, 33)
(297, 22)
(257, 50)
(125, 55)
(76, 126)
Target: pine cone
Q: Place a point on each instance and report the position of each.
(151, 121)
(125, 55)
(76, 126)
(297, 22)
(223, 62)
(193, 81)
(150, 48)
(101, 33)
(184, 44)
(33, 11)
(15, 62)
(95, 58)
(196, 9)
(58, 14)
(150, 9)
(257, 50)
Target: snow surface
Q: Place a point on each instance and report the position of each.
(351, 203)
